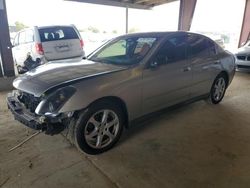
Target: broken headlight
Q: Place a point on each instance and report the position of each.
(54, 102)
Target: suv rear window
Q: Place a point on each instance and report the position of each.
(57, 33)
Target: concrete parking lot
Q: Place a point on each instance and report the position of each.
(198, 145)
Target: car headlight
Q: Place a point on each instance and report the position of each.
(54, 102)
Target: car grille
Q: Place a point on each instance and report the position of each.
(29, 101)
(243, 57)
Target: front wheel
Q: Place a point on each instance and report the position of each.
(218, 89)
(98, 128)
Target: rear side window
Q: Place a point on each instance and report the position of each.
(29, 36)
(57, 33)
(211, 47)
(197, 46)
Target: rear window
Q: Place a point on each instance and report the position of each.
(57, 33)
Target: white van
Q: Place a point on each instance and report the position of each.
(47, 43)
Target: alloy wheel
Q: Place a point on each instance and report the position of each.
(101, 128)
(219, 89)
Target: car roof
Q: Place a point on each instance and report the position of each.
(50, 26)
(158, 34)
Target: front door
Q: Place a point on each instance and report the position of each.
(168, 76)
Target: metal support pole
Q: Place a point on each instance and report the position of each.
(245, 28)
(7, 64)
(126, 20)
(186, 13)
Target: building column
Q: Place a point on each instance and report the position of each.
(6, 59)
(126, 20)
(245, 28)
(186, 12)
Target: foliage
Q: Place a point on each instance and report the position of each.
(133, 30)
(20, 26)
(93, 29)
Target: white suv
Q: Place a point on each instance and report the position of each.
(47, 44)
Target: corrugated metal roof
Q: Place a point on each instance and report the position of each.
(137, 4)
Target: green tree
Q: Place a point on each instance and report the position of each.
(20, 25)
(133, 30)
(93, 29)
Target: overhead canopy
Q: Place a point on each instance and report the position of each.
(137, 4)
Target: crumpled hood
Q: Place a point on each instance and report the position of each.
(55, 73)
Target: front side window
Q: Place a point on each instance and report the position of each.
(125, 51)
(173, 50)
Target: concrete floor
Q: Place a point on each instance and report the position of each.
(198, 145)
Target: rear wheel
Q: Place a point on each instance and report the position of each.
(98, 128)
(218, 89)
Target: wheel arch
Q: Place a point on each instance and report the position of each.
(226, 76)
(116, 100)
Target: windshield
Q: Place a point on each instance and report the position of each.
(125, 51)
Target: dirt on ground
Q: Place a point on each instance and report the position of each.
(197, 145)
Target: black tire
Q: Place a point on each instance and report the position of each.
(83, 123)
(213, 98)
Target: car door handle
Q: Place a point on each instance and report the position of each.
(186, 69)
(217, 62)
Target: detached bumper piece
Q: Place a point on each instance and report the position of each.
(22, 116)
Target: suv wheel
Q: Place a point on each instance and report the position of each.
(218, 89)
(98, 128)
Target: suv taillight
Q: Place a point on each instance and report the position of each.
(39, 48)
(81, 43)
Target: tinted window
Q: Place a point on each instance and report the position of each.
(57, 33)
(22, 38)
(197, 46)
(173, 50)
(211, 47)
(29, 36)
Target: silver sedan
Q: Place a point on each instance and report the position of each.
(129, 77)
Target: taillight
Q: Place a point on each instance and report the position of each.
(81, 43)
(39, 48)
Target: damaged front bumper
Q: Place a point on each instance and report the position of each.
(51, 125)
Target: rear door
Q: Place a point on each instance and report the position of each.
(60, 42)
(202, 58)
